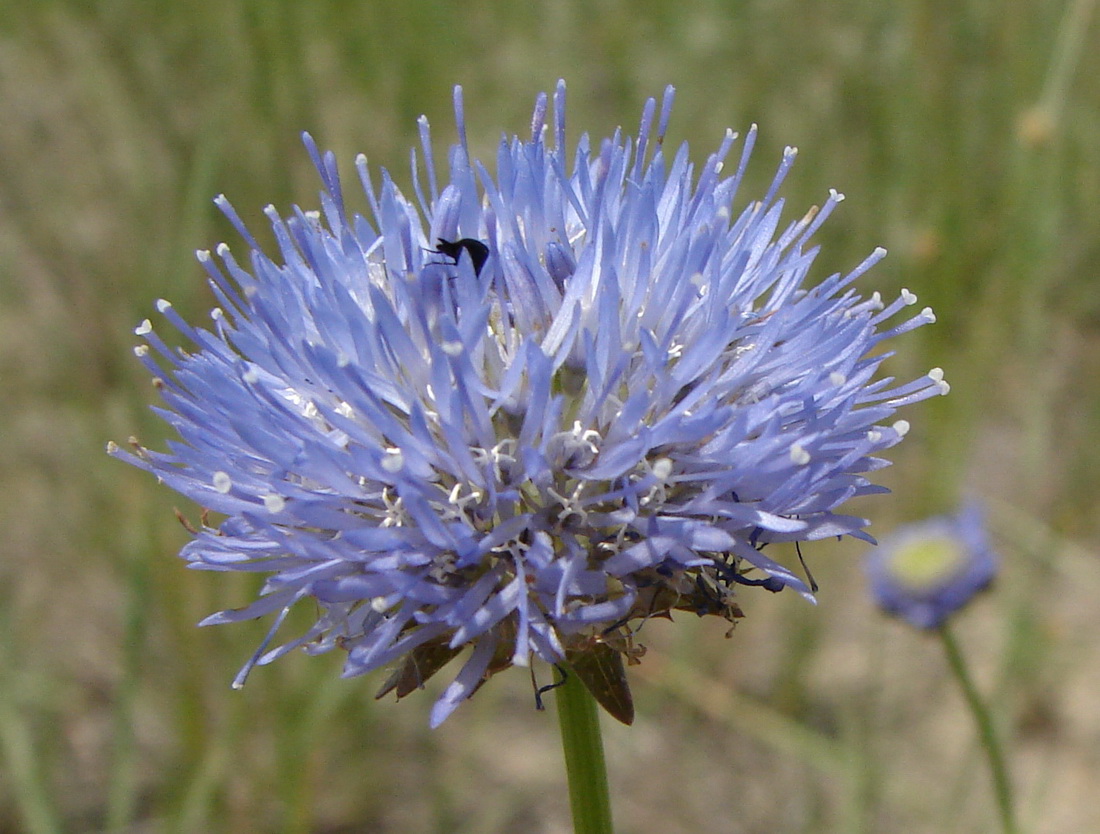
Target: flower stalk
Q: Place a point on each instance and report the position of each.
(987, 733)
(582, 747)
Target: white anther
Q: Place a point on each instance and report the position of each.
(393, 461)
(274, 503)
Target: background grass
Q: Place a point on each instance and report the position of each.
(967, 137)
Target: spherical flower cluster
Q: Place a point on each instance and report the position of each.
(521, 414)
(927, 571)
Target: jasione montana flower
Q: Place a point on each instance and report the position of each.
(522, 413)
(926, 571)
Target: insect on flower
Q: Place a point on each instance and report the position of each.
(478, 251)
(646, 397)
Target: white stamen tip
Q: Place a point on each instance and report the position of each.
(274, 503)
(251, 376)
(901, 427)
(393, 461)
(799, 456)
(452, 348)
(837, 378)
(141, 351)
(908, 297)
(143, 329)
(222, 482)
(936, 374)
(662, 468)
(163, 305)
(928, 315)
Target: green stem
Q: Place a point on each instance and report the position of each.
(579, 718)
(1002, 788)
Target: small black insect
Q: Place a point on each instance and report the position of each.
(478, 251)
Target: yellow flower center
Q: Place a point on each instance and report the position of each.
(928, 563)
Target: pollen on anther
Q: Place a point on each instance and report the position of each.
(274, 503)
(799, 456)
(222, 482)
(901, 427)
(144, 329)
(393, 461)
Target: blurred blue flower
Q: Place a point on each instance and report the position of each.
(520, 413)
(927, 571)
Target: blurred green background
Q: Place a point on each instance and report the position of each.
(966, 135)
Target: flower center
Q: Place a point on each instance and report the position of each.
(928, 563)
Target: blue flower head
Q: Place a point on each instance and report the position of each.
(927, 571)
(513, 416)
